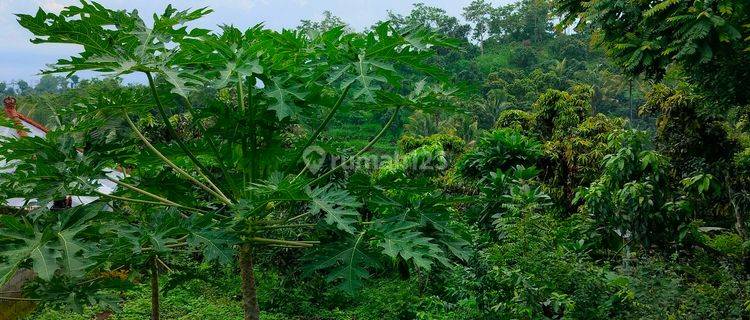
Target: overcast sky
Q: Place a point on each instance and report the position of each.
(19, 59)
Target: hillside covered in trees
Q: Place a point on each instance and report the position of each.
(547, 159)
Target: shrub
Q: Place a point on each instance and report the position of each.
(499, 149)
(630, 199)
(516, 119)
(728, 243)
(450, 143)
(425, 160)
(573, 286)
(557, 112)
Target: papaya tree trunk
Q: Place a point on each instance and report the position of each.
(154, 291)
(249, 295)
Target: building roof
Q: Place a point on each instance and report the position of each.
(11, 112)
(28, 127)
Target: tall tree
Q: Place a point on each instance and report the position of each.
(527, 20)
(432, 18)
(706, 37)
(23, 87)
(480, 13)
(328, 22)
(51, 84)
(235, 183)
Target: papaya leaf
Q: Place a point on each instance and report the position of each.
(339, 206)
(51, 247)
(346, 261)
(283, 99)
(401, 239)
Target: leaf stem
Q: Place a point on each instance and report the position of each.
(281, 242)
(287, 226)
(158, 203)
(149, 194)
(367, 147)
(254, 135)
(241, 104)
(179, 170)
(147, 202)
(198, 165)
(162, 112)
(212, 145)
(254, 163)
(297, 217)
(322, 126)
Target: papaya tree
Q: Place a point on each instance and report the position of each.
(232, 170)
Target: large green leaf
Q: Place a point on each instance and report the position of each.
(401, 239)
(206, 234)
(44, 261)
(339, 206)
(283, 97)
(114, 41)
(367, 74)
(70, 248)
(346, 261)
(51, 247)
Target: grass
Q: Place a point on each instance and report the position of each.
(384, 299)
(349, 138)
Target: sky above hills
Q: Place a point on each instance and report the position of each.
(19, 59)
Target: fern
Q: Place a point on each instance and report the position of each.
(660, 7)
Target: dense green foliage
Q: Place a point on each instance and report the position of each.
(326, 173)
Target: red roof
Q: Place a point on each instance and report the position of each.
(13, 114)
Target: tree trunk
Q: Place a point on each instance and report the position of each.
(630, 100)
(154, 291)
(739, 224)
(249, 296)
(742, 230)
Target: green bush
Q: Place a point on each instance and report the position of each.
(450, 143)
(422, 161)
(727, 243)
(506, 279)
(494, 61)
(516, 119)
(499, 149)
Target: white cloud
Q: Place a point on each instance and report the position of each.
(52, 5)
(20, 59)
